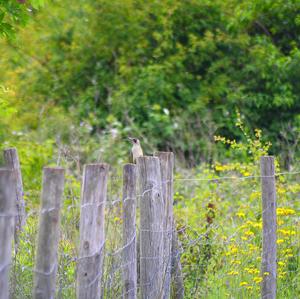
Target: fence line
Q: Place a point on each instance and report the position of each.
(238, 178)
(225, 177)
(160, 252)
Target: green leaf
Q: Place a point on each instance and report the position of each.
(37, 3)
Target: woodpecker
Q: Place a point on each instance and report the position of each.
(136, 150)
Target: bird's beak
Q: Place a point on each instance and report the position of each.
(130, 139)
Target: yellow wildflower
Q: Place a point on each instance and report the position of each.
(243, 283)
(233, 273)
(252, 270)
(241, 214)
(252, 247)
(255, 195)
(236, 262)
(280, 222)
(281, 190)
(249, 233)
(282, 274)
(285, 211)
(233, 249)
(287, 232)
(279, 241)
(257, 224)
(246, 173)
(257, 279)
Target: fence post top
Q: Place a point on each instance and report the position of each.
(266, 157)
(129, 166)
(145, 158)
(10, 149)
(102, 166)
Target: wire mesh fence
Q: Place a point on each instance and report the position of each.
(219, 227)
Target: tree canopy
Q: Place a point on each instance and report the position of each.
(14, 13)
(173, 72)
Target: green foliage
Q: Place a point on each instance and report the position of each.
(83, 75)
(172, 71)
(220, 223)
(14, 13)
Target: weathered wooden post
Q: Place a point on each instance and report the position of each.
(92, 236)
(177, 277)
(151, 228)
(7, 223)
(11, 159)
(269, 266)
(166, 160)
(48, 234)
(129, 232)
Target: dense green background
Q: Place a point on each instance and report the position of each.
(77, 77)
(173, 73)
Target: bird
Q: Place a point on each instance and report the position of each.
(136, 150)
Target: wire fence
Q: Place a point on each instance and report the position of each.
(219, 226)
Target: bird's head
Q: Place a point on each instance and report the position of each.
(134, 140)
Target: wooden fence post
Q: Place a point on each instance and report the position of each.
(7, 222)
(92, 235)
(48, 234)
(166, 160)
(177, 276)
(11, 159)
(129, 232)
(151, 228)
(269, 266)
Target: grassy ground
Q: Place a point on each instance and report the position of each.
(219, 223)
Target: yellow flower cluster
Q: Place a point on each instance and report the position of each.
(252, 270)
(241, 214)
(235, 262)
(288, 252)
(224, 140)
(257, 279)
(285, 211)
(252, 247)
(249, 233)
(287, 232)
(232, 250)
(280, 190)
(233, 273)
(251, 224)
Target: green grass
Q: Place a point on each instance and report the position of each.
(219, 223)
